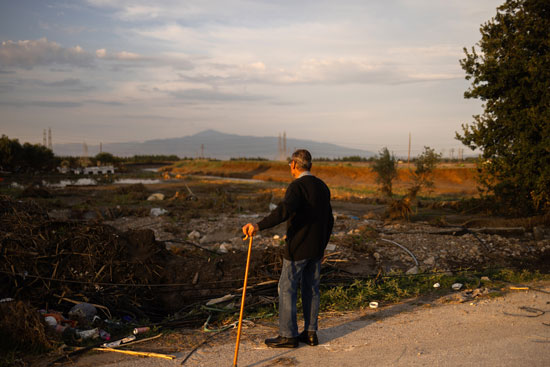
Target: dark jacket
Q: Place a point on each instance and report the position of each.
(306, 208)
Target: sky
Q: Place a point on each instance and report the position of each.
(358, 73)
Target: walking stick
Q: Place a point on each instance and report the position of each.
(242, 302)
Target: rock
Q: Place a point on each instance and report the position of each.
(194, 235)
(456, 286)
(156, 196)
(412, 271)
(485, 279)
(223, 249)
(156, 212)
(276, 237)
(539, 233)
(430, 260)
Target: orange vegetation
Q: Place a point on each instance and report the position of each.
(449, 180)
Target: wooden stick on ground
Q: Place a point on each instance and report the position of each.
(134, 353)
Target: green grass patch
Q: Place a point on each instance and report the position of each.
(396, 287)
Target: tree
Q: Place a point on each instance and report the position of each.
(422, 176)
(511, 75)
(10, 153)
(385, 167)
(105, 158)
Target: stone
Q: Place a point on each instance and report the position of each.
(539, 233)
(194, 235)
(155, 197)
(430, 260)
(412, 271)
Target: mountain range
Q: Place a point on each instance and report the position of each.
(213, 144)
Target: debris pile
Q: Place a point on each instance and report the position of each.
(46, 261)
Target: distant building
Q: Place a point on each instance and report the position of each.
(101, 170)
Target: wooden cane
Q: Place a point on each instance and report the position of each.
(242, 302)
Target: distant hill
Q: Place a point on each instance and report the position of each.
(216, 145)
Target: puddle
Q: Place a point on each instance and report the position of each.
(65, 183)
(230, 179)
(133, 181)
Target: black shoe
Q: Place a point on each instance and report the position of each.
(282, 342)
(308, 337)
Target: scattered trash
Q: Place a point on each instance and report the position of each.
(457, 286)
(373, 304)
(155, 197)
(272, 206)
(51, 321)
(437, 285)
(331, 247)
(215, 301)
(6, 300)
(83, 313)
(156, 212)
(116, 343)
(104, 335)
(276, 237)
(141, 330)
(88, 334)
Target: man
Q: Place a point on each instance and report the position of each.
(306, 208)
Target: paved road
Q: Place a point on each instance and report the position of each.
(484, 332)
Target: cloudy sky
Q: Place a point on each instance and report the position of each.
(359, 73)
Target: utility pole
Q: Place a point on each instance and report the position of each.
(409, 155)
(284, 145)
(50, 147)
(100, 147)
(44, 138)
(202, 151)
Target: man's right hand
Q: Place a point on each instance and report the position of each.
(250, 229)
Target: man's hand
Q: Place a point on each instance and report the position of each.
(250, 229)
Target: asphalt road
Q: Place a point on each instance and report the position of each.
(484, 332)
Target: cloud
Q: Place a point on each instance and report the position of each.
(314, 71)
(28, 54)
(205, 95)
(49, 104)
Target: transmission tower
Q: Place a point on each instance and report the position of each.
(50, 146)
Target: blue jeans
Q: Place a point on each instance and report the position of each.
(307, 275)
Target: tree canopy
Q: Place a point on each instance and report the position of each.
(510, 74)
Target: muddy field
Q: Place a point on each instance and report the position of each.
(162, 246)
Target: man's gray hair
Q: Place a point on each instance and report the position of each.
(303, 159)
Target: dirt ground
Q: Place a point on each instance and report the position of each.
(512, 330)
(192, 239)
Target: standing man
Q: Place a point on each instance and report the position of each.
(306, 208)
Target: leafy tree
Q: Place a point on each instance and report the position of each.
(14, 156)
(422, 176)
(105, 158)
(385, 167)
(38, 157)
(511, 75)
(10, 153)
